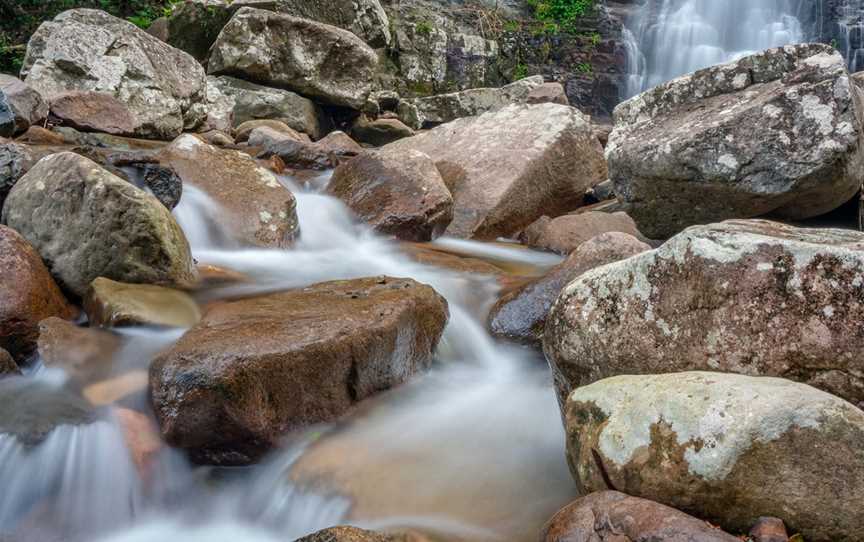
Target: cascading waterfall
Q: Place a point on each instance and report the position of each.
(850, 26)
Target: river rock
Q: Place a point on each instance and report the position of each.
(313, 59)
(7, 117)
(340, 144)
(40, 407)
(255, 369)
(727, 448)
(294, 153)
(89, 50)
(93, 112)
(7, 364)
(353, 534)
(110, 304)
(86, 354)
(520, 315)
(379, 132)
(769, 530)
(28, 294)
(743, 296)
(258, 210)
(264, 136)
(548, 93)
(778, 132)
(144, 171)
(443, 108)
(499, 182)
(244, 130)
(15, 160)
(397, 193)
(26, 103)
(566, 233)
(614, 516)
(87, 223)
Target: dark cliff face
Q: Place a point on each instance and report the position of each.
(837, 22)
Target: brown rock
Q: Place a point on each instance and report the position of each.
(93, 112)
(114, 389)
(565, 233)
(244, 130)
(520, 315)
(255, 369)
(37, 135)
(428, 255)
(264, 136)
(397, 193)
(142, 439)
(616, 517)
(379, 132)
(7, 364)
(769, 530)
(258, 210)
(295, 154)
(352, 534)
(27, 104)
(28, 295)
(552, 93)
(340, 144)
(217, 138)
(112, 304)
(86, 354)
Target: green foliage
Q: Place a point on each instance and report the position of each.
(520, 72)
(585, 67)
(560, 15)
(424, 28)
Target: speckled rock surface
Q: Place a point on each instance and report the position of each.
(15, 160)
(509, 167)
(777, 132)
(468, 103)
(744, 296)
(726, 448)
(28, 106)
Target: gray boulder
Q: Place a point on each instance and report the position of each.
(777, 132)
(15, 160)
(468, 103)
(723, 447)
(27, 105)
(313, 59)
(86, 223)
(7, 117)
(89, 50)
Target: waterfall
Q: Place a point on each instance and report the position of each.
(850, 31)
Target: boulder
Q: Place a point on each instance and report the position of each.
(520, 314)
(548, 93)
(566, 233)
(264, 136)
(28, 294)
(614, 516)
(144, 171)
(7, 364)
(379, 132)
(91, 111)
(778, 132)
(353, 534)
(769, 530)
(15, 160)
(89, 50)
(313, 59)
(110, 304)
(751, 297)
(294, 153)
(27, 105)
(340, 144)
(254, 369)
(87, 223)
(253, 102)
(397, 193)
(726, 448)
(443, 108)
(258, 210)
(7, 117)
(500, 184)
(244, 130)
(86, 354)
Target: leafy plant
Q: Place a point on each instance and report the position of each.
(424, 28)
(585, 67)
(558, 15)
(520, 72)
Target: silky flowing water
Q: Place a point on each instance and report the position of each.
(473, 450)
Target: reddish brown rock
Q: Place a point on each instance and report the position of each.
(26, 104)
(428, 255)
(93, 112)
(340, 144)
(264, 136)
(244, 130)
(110, 303)
(255, 369)
(142, 439)
(379, 132)
(565, 233)
(38, 135)
(520, 315)
(399, 194)
(7, 364)
(86, 354)
(769, 530)
(548, 93)
(28, 295)
(615, 517)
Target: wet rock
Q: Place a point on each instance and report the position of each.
(469, 103)
(500, 184)
(296, 154)
(28, 294)
(111, 304)
(217, 138)
(89, 50)
(379, 132)
(604, 191)
(144, 171)
(27, 105)
(397, 193)
(254, 369)
(340, 144)
(566, 233)
(264, 136)
(520, 315)
(40, 407)
(87, 223)
(427, 255)
(85, 354)
(36, 135)
(7, 117)
(552, 93)
(245, 130)
(777, 132)
(258, 210)
(15, 160)
(313, 59)
(255, 102)
(769, 530)
(7, 364)
(610, 515)
(743, 296)
(727, 448)
(93, 111)
(142, 439)
(353, 534)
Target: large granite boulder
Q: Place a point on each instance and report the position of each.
(397, 193)
(89, 50)
(258, 210)
(254, 369)
(751, 297)
(28, 295)
(777, 132)
(87, 223)
(509, 167)
(443, 108)
(27, 105)
(726, 448)
(314, 59)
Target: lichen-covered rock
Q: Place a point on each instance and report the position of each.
(254, 369)
(27, 105)
(313, 59)
(400, 194)
(777, 132)
(468, 103)
(565, 233)
(615, 517)
(353, 534)
(726, 448)
(509, 167)
(109, 303)
(87, 223)
(258, 209)
(15, 160)
(89, 50)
